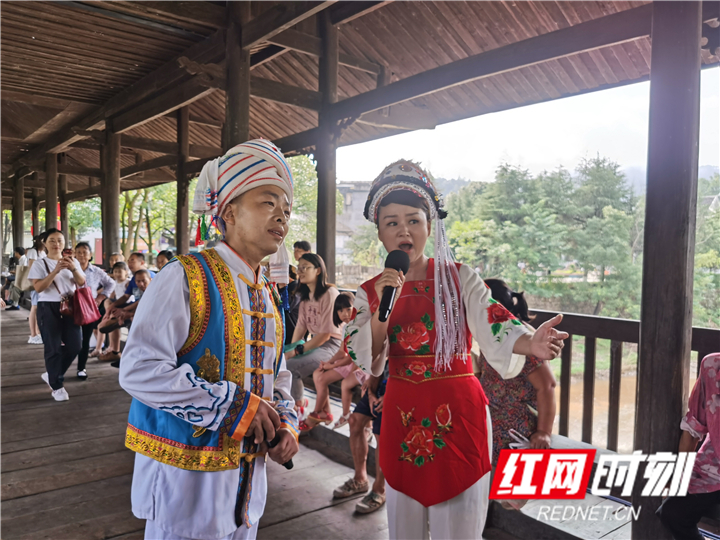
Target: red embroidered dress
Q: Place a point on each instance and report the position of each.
(434, 432)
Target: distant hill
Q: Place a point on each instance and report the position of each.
(637, 176)
(446, 187)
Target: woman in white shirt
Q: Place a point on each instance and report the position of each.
(56, 276)
(33, 254)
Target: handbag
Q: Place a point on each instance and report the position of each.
(21, 278)
(66, 300)
(85, 310)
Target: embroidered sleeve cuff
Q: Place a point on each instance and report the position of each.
(288, 420)
(240, 414)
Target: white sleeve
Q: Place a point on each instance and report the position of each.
(38, 271)
(149, 370)
(496, 340)
(358, 335)
(283, 400)
(78, 267)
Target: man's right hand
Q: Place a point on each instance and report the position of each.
(264, 423)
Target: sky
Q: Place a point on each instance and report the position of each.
(612, 123)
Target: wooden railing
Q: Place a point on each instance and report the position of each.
(618, 331)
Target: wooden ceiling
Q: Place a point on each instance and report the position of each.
(63, 60)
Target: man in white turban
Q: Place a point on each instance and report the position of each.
(204, 362)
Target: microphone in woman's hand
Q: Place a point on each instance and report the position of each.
(400, 261)
(272, 444)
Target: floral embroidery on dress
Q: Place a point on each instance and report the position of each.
(498, 316)
(421, 443)
(415, 337)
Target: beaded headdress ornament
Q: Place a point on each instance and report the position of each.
(451, 339)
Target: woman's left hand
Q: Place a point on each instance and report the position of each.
(540, 440)
(547, 342)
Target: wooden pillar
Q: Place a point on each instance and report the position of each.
(327, 145)
(667, 295)
(111, 192)
(182, 229)
(51, 191)
(35, 208)
(103, 210)
(62, 196)
(237, 94)
(18, 213)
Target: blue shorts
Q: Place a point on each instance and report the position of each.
(363, 407)
(34, 297)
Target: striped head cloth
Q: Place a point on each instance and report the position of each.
(244, 167)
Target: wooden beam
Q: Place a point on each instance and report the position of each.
(266, 55)
(167, 75)
(327, 145)
(31, 99)
(283, 93)
(149, 165)
(177, 97)
(277, 19)
(237, 77)
(298, 141)
(196, 13)
(344, 12)
(18, 213)
(35, 211)
(663, 367)
(206, 121)
(150, 145)
(62, 198)
(182, 229)
(94, 145)
(202, 151)
(309, 44)
(111, 192)
(259, 87)
(616, 28)
(51, 191)
(76, 170)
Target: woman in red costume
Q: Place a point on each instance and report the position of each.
(436, 426)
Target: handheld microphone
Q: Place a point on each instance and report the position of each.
(272, 444)
(397, 260)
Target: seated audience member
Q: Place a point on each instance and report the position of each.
(123, 314)
(33, 254)
(114, 258)
(315, 316)
(339, 367)
(12, 295)
(681, 515)
(100, 285)
(163, 258)
(121, 275)
(525, 403)
(368, 409)
(136, 262)
(300, 248)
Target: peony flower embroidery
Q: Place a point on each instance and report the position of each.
(422, 441)
(498, 314)
(413, 337)
(417, 367)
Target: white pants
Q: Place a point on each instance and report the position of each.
(460, 518)
(153, 532)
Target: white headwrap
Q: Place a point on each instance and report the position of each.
(451, 339)
(244, 167)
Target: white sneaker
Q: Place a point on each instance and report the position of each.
(31, 339)
(45, 378)
(60, 394)
(37, 340)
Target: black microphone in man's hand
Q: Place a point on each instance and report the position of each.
(397, 260)
(272, 444)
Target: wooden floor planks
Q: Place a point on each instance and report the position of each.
(67, 475)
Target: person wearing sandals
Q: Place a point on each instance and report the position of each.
(369, 409)
(315, 316)
(96, 278)
(436, 430)
(33, 254)
(339, 367)
(54, 277)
